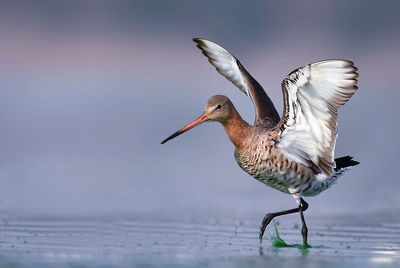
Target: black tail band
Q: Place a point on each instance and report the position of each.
(345, 161)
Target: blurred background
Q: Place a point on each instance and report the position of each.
(88, 89)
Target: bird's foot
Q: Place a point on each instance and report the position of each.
(304, 233)
(267, 219)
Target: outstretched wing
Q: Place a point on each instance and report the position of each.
(230, 67)
(312, 95)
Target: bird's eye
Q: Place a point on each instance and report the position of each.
(218, 107)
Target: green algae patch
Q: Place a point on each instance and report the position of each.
(278, 242)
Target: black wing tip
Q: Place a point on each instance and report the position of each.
(200, 44)
(349, 62)
(200, 41)
(345, 161)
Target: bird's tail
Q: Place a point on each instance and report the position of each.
(344, 163)
(322, 183)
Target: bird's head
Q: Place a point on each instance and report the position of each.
(218, 108)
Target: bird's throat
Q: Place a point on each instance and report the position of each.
(237, 129)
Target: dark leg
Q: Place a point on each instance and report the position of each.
(304, 229)
(268, 218)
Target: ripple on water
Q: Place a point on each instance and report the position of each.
(144, 241)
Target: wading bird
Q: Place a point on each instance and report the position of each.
(293, 154)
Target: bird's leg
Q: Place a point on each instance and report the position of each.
(268, 218)
(304, 230)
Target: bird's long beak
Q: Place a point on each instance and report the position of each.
(198, 121)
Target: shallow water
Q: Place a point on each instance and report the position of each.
(194, 242)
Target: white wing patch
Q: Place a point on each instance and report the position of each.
(224, 62)
(312, 95)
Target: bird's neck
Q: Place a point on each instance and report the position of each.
(237, 129)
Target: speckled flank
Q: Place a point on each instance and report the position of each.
(259, 157)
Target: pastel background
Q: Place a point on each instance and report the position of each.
(88, 89)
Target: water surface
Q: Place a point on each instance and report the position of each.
(198, 242)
